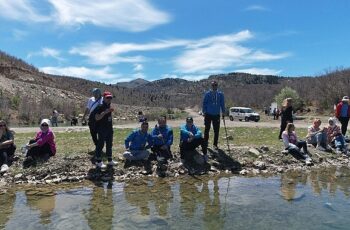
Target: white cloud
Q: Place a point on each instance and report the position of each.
(100, 74)
(138, 67)
(21, 10)
(127, 15)
(261, 71)
(186, 77)
(256, 8)
(47, 52)
(19, 35)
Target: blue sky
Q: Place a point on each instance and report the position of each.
(120, 40)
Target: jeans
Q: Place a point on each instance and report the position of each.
(7, 154)
(135, 155)
(43, 152)
(208, 119)
(104, 136)
(295, 152)
(161, 152)
(190, 146)
(318, 139)
(344, 124)
(339, 142)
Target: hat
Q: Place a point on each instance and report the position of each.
(345, 98)
(96, 91)
(107, 94)
(45, 121)
(189, 119)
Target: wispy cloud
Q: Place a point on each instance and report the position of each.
(47, 52)
(186, 77)
(21, 10)
(127, 15)
(261, 71)
(256, 8)
(98, 74)
(138, 67)
(18, 35)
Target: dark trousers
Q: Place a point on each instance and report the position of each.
(295, 152)
(190, 146)
(7, 154)
(104, 136)
(344, 124)
(282, 128)
(215, 119)
(93, 132)
(161, 152)
(39, 152)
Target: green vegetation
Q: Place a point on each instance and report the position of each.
(288, 92)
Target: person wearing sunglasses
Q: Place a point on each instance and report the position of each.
(104, 128)
(7, 147)
(42, 147)
(213, 103)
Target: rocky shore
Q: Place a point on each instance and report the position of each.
(240, 160)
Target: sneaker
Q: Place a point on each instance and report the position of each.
(112, 163)
(338, 151)
(205, 157)
(320, 148)
(100, 165)
(308, 161)
(182, 162)
(4, 168)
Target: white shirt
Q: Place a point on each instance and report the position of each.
(91, 105)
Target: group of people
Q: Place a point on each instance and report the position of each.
(323, 139)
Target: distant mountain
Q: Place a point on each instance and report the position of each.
(133, 84)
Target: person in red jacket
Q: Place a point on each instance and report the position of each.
(342, 112)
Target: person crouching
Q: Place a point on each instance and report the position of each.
(42, 147)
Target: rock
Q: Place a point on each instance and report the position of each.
(256, 171)
(48, 181)
(260, 165)
(18, 176)
(264, 148)
(280, 169)
(254, 152)
(229, 137)
(243, 172)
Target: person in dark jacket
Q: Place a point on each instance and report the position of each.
(342, 112)
(213, 104)
(286, 115)
(190, 139)
(104, 128)
(7, 147)
(162, 135)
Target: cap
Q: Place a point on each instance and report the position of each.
(189, 119)
(107, 94)
(214, 82)
(45, 121)
(96, 91)
(345, 98)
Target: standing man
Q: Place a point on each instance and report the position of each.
(213, 102)
(104, 129)
(92, 104)
(342, 112)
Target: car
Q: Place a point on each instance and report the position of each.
(243, 113)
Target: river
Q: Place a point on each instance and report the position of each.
(318, 200)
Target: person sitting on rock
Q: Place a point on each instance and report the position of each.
(162, 136)
(42, 147)
(190, 139)
(7, 147)
(293, 145)
(317, 136)
(335, 136)
(135, 144)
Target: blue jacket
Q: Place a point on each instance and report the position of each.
(138, 140)
(213, 102)
(167, 133)
(185, 131)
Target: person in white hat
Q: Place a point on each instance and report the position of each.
(342, 112)
(43, 146)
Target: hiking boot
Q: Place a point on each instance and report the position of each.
(4, 168)
(320, 148)
(100, 165)
(112, 163)
(308, 161)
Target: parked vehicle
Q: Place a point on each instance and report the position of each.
(243, 113)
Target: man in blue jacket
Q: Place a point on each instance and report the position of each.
(135, 144)
(213, 102)
(190, 139)
(162, 135)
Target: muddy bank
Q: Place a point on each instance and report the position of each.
(241, 160)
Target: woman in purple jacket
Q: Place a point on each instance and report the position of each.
(43, 146)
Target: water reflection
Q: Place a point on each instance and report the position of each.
(42, 201)
(101, 207)
(7, 201)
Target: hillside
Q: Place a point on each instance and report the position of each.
(133, 84)
(30, 93)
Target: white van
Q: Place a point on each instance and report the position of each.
(243, 113)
